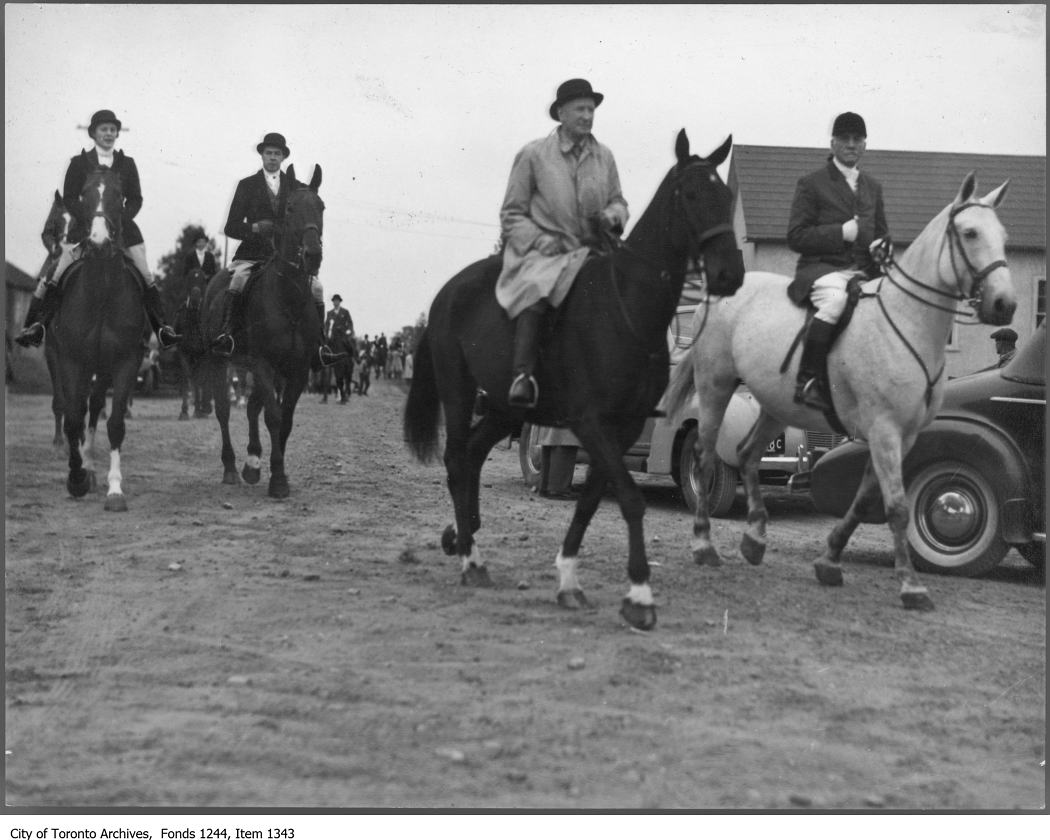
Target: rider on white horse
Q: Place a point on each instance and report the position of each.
(836, 215)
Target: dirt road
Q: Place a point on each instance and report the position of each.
(214, 648)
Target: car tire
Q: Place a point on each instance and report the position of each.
(722, 492)
(953, 525)
(1034, 553)
(529, 454)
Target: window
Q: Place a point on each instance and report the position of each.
(1040, 300)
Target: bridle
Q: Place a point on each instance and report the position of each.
(953, 241)
(299, 262)
(695, 255)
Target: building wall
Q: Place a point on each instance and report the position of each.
(970, 348)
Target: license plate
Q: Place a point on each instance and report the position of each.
(776, 446)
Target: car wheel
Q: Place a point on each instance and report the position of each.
(953, 525)
(722, 491)
(529, 454)
(1034, 553)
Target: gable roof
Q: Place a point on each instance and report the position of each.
(15, 278)
(916, 186)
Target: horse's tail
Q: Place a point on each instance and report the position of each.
(423, 407)
(681, 387)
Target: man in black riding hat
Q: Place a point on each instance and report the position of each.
(338, 322)
(255, 218)
(1005, 344)
(563, 190)
(836, 217)
(104, 129)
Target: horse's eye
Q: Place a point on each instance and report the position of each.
(970, 233)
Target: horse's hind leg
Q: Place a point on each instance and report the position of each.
(713, 403)
(215, 376)
(750, 451)
(252, 470)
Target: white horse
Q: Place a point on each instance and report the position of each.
(886, 371)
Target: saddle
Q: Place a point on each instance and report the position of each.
(853, 295)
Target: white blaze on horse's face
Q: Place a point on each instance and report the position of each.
(99, 230)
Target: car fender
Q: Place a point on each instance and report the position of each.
(668, 433)
(837, 475)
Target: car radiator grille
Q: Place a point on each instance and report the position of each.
(823, 440)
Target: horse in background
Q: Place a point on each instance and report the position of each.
(886, 373)
(365, 362)
(192, 349)
(603, 366)
(57, 237)
(99, 325)
(281, 336)
(338, 378)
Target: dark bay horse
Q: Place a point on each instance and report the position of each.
(602, 370)
(282, 333)
(58, 237)
(99, 326)
(886, 373)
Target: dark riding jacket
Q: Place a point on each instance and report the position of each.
(253, 202)
(823, 203)
(191, 263)
(77, 174)
(338, 325)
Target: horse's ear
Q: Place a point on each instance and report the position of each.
(996, 196)
(721, 153)
(969, 184)
(58, 197)
(315, 181)
(681, 147)
(291, 173)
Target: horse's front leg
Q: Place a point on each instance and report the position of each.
(570, 592)
(123, 381)
(186, 386)
(887, 450)
(750, 452)
(828, 566)
(281, 431)
(606, 446)
(214, 372)
(257, 400)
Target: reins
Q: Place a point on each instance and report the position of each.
(953, 240)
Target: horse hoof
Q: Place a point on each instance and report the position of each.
(448, 540)
(752, 549)
(917, 601)
(279, 488)
(230, 477)
(828, 574)
(573, 599)
(79, 484)
(706, 556)
(116, 504)
(477, 577)
(251, 474)
(639, 616)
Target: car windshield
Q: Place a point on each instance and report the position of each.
(1029, 364)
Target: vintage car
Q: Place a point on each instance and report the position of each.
(975, 478)
(665, 447)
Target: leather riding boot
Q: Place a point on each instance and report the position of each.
(560, 465)
(810, 387)
(232, 307)
(524, 390)
(33, 328)
(166, 336)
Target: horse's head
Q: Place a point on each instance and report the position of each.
(976, 253)
(701, 217)
(303, 223)
(101, 208)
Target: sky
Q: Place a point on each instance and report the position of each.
(415, 112)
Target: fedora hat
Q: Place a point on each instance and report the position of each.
(99, 117)
(276, 141)
(849, 123)
(574, 89)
